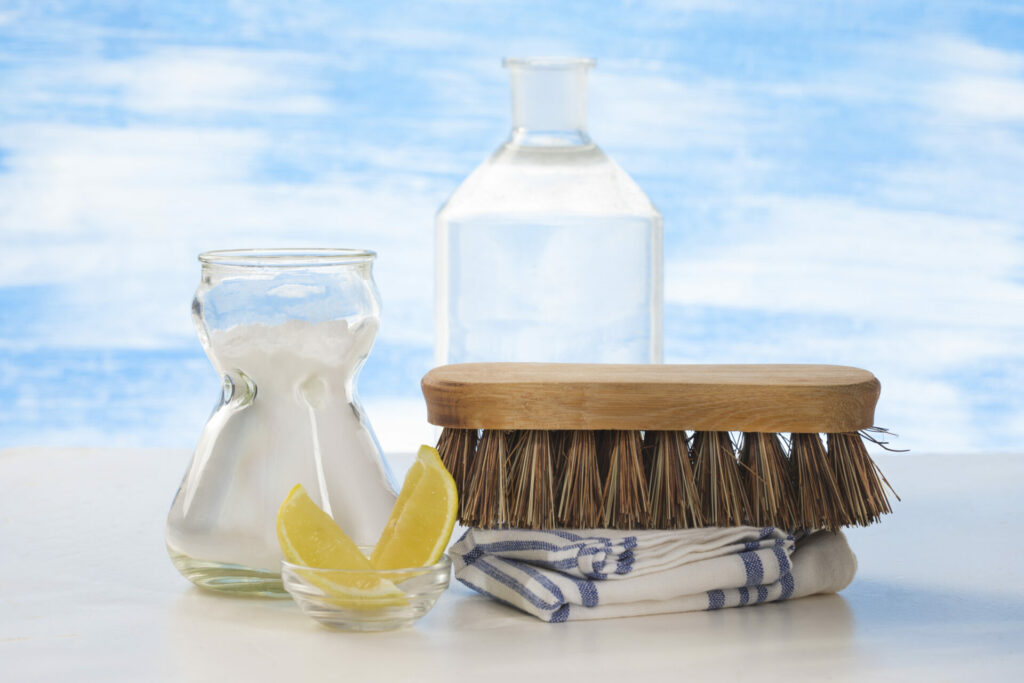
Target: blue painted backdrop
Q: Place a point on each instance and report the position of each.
(841, 182)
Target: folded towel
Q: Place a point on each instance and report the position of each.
(559, 574)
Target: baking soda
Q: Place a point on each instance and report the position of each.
(289, 415)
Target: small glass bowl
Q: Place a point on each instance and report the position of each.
(418, 588)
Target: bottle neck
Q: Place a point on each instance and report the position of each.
(549, 101)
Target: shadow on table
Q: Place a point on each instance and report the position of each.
(719, 643)
(872, 626)
(895, 604)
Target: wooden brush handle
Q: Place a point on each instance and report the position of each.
(750, 398)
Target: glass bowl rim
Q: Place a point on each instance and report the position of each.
(444, 563)
(286, 257)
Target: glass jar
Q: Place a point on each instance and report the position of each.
(548, 251)
(287, 331)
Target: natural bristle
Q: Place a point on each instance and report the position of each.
(819, 503)
(457, 448)
(486, 498)
(858, 478)
(662, 479)
(579, 505)
(674, 501)
(532, 497)
(718, 479)
(624, 494)
(766, 480)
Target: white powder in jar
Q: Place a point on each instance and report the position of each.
(292, 417)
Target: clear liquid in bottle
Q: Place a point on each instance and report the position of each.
(549, 251)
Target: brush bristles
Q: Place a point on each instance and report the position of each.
(718, 479)
(532, 498)
(579, 506)
(457, 448)
(624, 502)
(859, 479)
(675, 503)
(766, 481)
(485, 502)
(819, 503)
(629, 480)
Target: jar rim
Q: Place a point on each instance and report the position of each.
(286, 257)
(548, 62)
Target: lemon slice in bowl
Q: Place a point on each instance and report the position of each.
(423, 517)
(310, 539)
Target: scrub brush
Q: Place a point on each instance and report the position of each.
(556, 445)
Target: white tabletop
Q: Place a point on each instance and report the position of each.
(87, 593)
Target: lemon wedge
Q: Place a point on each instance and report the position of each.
(310, 538)
(423, 517)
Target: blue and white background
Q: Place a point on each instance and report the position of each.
(841, 183)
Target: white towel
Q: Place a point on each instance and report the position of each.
(560, 575)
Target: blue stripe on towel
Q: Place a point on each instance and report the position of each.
(597, 566)
(531, 597)
(588, 591)
(503, 547)
(762, 535)
(625, 563)
(481, 591)
(561, 614)
(626, 559)
(599, 572)
(788, 586)
(567, 563)
(784, 565)
(541, 579)
(744, 596)
(473, 555)
(716, 599)
(755, 570)
(498, 547)
(762, 594)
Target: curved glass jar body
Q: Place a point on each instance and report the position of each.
(287, 331)
(548, 251)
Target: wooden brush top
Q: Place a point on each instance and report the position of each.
(749, 398)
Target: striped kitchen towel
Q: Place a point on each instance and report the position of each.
(560, 575)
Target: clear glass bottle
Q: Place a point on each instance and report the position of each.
(548, 251)
(287, 331)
